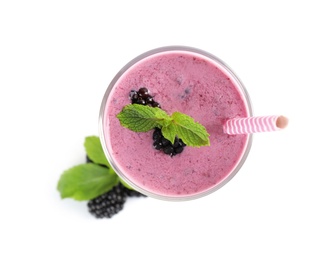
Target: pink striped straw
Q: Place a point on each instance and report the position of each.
(256, 124)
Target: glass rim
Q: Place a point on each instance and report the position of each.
(134, 61)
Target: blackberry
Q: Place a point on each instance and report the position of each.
(108, 204)
(161, 143)
(142, 97)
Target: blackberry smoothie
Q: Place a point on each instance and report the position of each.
(186, 80)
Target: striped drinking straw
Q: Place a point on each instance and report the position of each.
(256, 124)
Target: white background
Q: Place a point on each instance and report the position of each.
(56, 61)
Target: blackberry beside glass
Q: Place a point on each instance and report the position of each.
(108, 204)
(111, 202)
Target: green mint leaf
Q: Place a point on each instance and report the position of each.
(191, 132)
(86, 181)
(139, 118)
(95, 151)
(169, 132)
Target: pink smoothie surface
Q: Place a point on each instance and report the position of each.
(189, 83)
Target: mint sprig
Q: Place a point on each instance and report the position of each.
(89, 180)
(141, 118)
